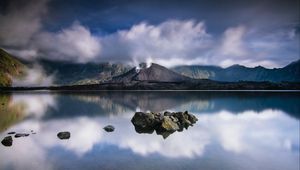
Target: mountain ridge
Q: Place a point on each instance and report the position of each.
(235, 73)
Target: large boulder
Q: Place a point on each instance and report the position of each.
(163, 123)
(170, 123)
(146, 122)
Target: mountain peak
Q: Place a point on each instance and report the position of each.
(155, 72)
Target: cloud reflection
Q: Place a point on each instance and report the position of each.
(256, 134)
(242, 133)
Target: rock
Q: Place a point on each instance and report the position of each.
(163, 123)
(146, 122)
(64, 135)
(109, 128)
(21, 135)
(169, 123)
(11, 133)
(166, 113)
(7, 141)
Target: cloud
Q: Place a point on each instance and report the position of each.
(171, 42)
(34, 76)
(21, 21)
(75, 43)
(171, 39)
(232, 43)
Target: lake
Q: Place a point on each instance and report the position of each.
(235, 131)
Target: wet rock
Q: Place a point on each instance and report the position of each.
(166, 113)
(109, 128)
(169, 123)
(163, 123)
(21, 135)
(64, 135)
(146, 122)
(7, 141)
(11, 133)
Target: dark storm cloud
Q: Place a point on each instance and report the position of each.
(170, 32)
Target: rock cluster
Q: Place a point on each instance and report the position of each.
(163, 123)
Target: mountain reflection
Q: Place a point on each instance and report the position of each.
(250, 124)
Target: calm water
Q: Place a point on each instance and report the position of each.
(236, 130)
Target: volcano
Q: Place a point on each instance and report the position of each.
(154, 73)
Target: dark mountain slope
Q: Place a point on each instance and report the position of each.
(241, 73)
(77, 73)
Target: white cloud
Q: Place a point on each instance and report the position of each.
(75, 43)
(34, 76)
(232, 42)
(172, 39)
(170, 43)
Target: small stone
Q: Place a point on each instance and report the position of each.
(11, 133)
(21, 135)
(109, 128)
(64, 135)
(7, 141)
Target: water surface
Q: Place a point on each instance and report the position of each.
(236, 130)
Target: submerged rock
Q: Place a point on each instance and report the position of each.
(109, 128)
(21, 135)
(7, 141)
(64, 135)
(163, 123)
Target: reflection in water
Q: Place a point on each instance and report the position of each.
(234, 131)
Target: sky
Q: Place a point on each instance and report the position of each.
(169, 32)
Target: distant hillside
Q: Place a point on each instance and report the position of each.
(9, 67)
(241, 73)
(155, 73)
(77, 73)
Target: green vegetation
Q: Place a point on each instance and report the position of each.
(9, 67)
(9, 114)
